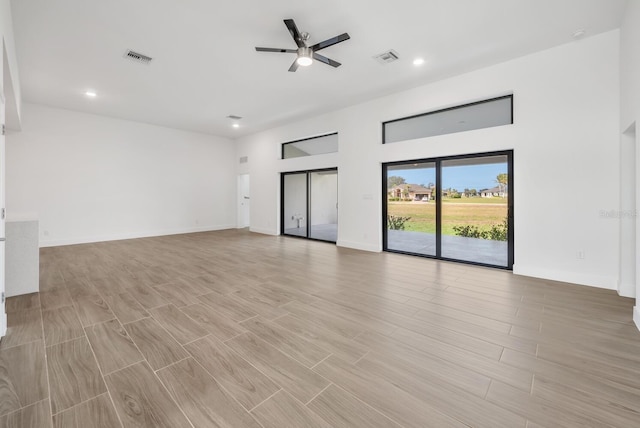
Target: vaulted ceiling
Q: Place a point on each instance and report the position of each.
(205, 66)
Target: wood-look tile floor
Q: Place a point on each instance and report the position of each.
(234, 329)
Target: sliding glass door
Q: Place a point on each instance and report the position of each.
(294, 217)
(411, 208)
(323, 205)
(310, 204)
(475, 209)
(453, 208)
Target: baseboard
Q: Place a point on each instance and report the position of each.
(636, 316)
(631, 294)
(598, 281)
(34, 288)
(263, 231)
(358, 246)
(119, 237)
(3, 330)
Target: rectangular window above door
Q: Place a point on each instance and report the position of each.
(467, 117)
(310, 146)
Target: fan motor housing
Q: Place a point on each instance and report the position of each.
(305, 51)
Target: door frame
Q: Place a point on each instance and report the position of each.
(308, 173)
(3, 314)
(240, 202)
(438, 165)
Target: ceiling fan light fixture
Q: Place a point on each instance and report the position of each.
(304, 61)
(305, 57)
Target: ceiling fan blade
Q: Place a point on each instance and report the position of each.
(276, 50)
(293, 30)
(326, 60)
(330, 42)
(294, 66)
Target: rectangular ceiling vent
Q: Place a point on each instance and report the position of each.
(244, 159)
(234, 117)
(387, 57)
(137, 57)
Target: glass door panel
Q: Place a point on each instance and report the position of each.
(474, 197)
(324, 205)
(294, 220)
(411, 208)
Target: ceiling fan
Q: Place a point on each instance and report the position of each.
(306, 54)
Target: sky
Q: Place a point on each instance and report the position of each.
(457, 177)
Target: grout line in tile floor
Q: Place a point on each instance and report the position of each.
(172, 364)
(488, 388)
(316, 396)
(265, 400)
(533, 380)
(103, 375)
(25, 343)
(231, 338)
(194, 340)
(321, 361)
(362, 357)
(46, 365)
(155, 373)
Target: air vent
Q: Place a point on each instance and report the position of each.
(244, 159)
(234, 117)
(387, 57)
(137, 57)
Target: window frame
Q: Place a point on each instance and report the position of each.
(307, 173)
(304, 139)
(438, 165)
(457, 107)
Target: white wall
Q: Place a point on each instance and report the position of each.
(630, 64)
(629, 116)
(92, 178)
(566, 156)
(9, 66)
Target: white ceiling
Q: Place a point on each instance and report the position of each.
(205, 66)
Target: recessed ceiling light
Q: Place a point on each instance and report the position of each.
(91, 94)
(418, 61)
(236, 125)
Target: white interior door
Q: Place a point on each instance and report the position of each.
(3, 315)
(244, 201)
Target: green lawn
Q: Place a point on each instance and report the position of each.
(481, 212)
(475, 200)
